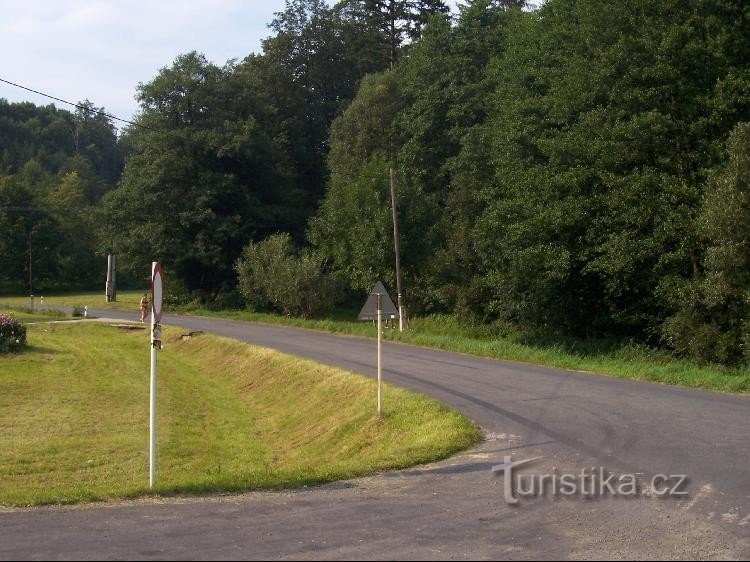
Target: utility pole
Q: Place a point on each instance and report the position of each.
(398, 252)
(31, 278)
(111, 286)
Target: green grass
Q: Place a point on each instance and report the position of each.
(613, 358)
(26, 316)
(74, 419)
(126, 300)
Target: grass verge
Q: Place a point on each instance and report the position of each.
(26, 316)
(613, 358)
(619, 359)
(74, 419)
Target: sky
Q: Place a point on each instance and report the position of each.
(101, 50)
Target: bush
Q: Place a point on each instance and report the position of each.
(705, 335)
(12, 334)
(273, 277)
(712, 310)
(176, 295)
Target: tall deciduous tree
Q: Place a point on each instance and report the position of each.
(396, 22)
(203, 179)
(353, 228)
(712, 321)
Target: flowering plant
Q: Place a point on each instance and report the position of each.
(12, 334)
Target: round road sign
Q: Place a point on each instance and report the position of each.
(157, 292)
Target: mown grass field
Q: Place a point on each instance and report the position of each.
(74, 419)
(619, 359)
(126, 300)
(26, 316)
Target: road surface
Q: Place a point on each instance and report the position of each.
(455, 509)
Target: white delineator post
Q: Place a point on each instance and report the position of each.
(380, 354)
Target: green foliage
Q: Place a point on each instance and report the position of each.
(563, 170)
(273, 277)
(12, 334)
(353, 228)
(392, 23)
(712, 322)
(79, 311)
(552, 163)
(202, 180)
(54, 168)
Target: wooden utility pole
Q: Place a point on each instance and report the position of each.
(31, 278)
(398, 252)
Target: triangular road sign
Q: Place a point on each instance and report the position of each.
(387, 308)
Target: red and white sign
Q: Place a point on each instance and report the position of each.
(157, 292)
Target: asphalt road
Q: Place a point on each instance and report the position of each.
(455, 509)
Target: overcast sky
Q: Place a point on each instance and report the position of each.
(99, 50)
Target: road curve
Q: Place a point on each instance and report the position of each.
(456, 509)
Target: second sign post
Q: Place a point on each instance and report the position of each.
(379, 304)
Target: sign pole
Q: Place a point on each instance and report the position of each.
(155, 340)
(152, 405)
(152, 411)
(380, 363)
(378, 303)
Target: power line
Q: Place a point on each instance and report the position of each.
(142, 126)
(78, 105)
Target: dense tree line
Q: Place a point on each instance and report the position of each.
(55, 166)
(578, 169)
(559, 170)
(238, 152)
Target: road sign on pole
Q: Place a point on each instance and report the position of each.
(379, 304)
(380, 357)
(157, 291)
(370, 309)
(156, 313)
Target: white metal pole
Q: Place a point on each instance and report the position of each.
(108, 288)
(152, 405)
(114, 278)
(380, 363)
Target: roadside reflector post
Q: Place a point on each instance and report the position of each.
(155, 341)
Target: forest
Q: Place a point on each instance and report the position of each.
(578, 168)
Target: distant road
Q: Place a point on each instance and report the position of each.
(455, 509)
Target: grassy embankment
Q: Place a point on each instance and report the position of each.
(74, 419)
(620, 359)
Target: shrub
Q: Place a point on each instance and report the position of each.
(273, 277)
(12, 334)
(712, 310)
(79, 311)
